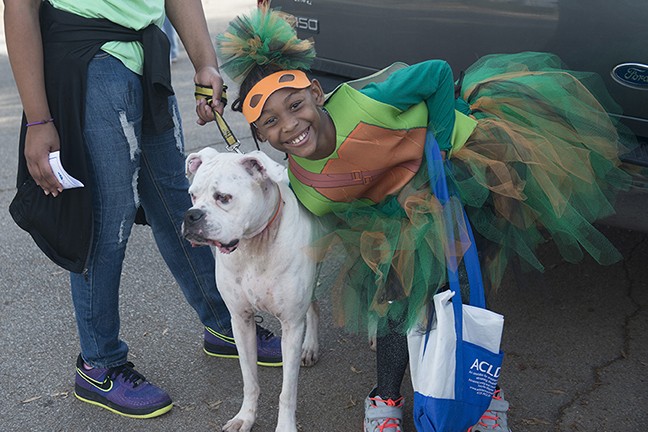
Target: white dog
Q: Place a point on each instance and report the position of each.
(243, 207)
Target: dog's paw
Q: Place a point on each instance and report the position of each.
(288, 427)
(372, 342)
(309, 356)
(310, 348)
(372, 329)
(237, 425)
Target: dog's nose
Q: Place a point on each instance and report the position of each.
(193, 216)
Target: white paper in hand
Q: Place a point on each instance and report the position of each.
(66, 180)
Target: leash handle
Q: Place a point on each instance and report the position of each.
(207, 93)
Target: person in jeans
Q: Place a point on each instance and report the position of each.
(87, 91)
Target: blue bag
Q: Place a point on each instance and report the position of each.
(455, 358)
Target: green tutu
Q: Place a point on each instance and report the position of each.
(541, 165)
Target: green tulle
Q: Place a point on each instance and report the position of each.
(265, 37)
(542, 165)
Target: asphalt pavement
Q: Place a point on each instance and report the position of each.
(575, 338)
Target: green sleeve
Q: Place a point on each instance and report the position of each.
(430, 81)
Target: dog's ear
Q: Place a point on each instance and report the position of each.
(255, 167)
(271, 169)
(191, 165)
(194, 160)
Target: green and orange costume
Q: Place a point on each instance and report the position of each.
(533, 156)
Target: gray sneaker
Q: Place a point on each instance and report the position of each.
(383, 415)
(494, 419)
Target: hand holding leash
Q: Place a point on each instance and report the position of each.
(207, 93)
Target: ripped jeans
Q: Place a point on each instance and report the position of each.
(129, 168)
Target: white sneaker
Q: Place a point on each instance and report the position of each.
(494, 419)
(383, 415)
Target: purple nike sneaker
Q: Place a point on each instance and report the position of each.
(120, 389)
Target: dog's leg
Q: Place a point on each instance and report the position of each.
(292, 332)
(372, 328)
(244, 329)
(310, 347)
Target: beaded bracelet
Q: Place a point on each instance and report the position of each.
(39, 122)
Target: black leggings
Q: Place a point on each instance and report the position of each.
(392, 358)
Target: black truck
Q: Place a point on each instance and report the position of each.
(355, 38)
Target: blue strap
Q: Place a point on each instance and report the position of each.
(437, 173)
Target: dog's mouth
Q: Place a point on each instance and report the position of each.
(198, 240)
(225, 248)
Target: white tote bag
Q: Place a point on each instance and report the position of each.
(455, 356)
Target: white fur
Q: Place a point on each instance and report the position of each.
(234, 197)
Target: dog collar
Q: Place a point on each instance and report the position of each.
(274, 217)
(277, 211)
(261, 91)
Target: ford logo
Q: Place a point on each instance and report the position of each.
(633, 75)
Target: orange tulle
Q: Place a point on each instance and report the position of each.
(542, 165)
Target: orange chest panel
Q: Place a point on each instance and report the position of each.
(371, 163)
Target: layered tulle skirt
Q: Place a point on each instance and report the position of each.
(542, 165)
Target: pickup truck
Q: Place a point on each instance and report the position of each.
(355, 38)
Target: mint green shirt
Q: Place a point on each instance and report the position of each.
(133, 14)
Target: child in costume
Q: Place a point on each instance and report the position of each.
(530, 151)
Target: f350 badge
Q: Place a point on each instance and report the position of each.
(633, 75)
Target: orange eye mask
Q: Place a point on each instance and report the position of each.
(257, 97)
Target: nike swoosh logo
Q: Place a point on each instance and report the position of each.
(106, 385)
(222, 337)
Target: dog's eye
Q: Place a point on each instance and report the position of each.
(222, 198)
(193, 198)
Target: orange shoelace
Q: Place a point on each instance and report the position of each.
(489, 415)
(390, 422)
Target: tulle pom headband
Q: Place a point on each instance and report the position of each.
(264, 38)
